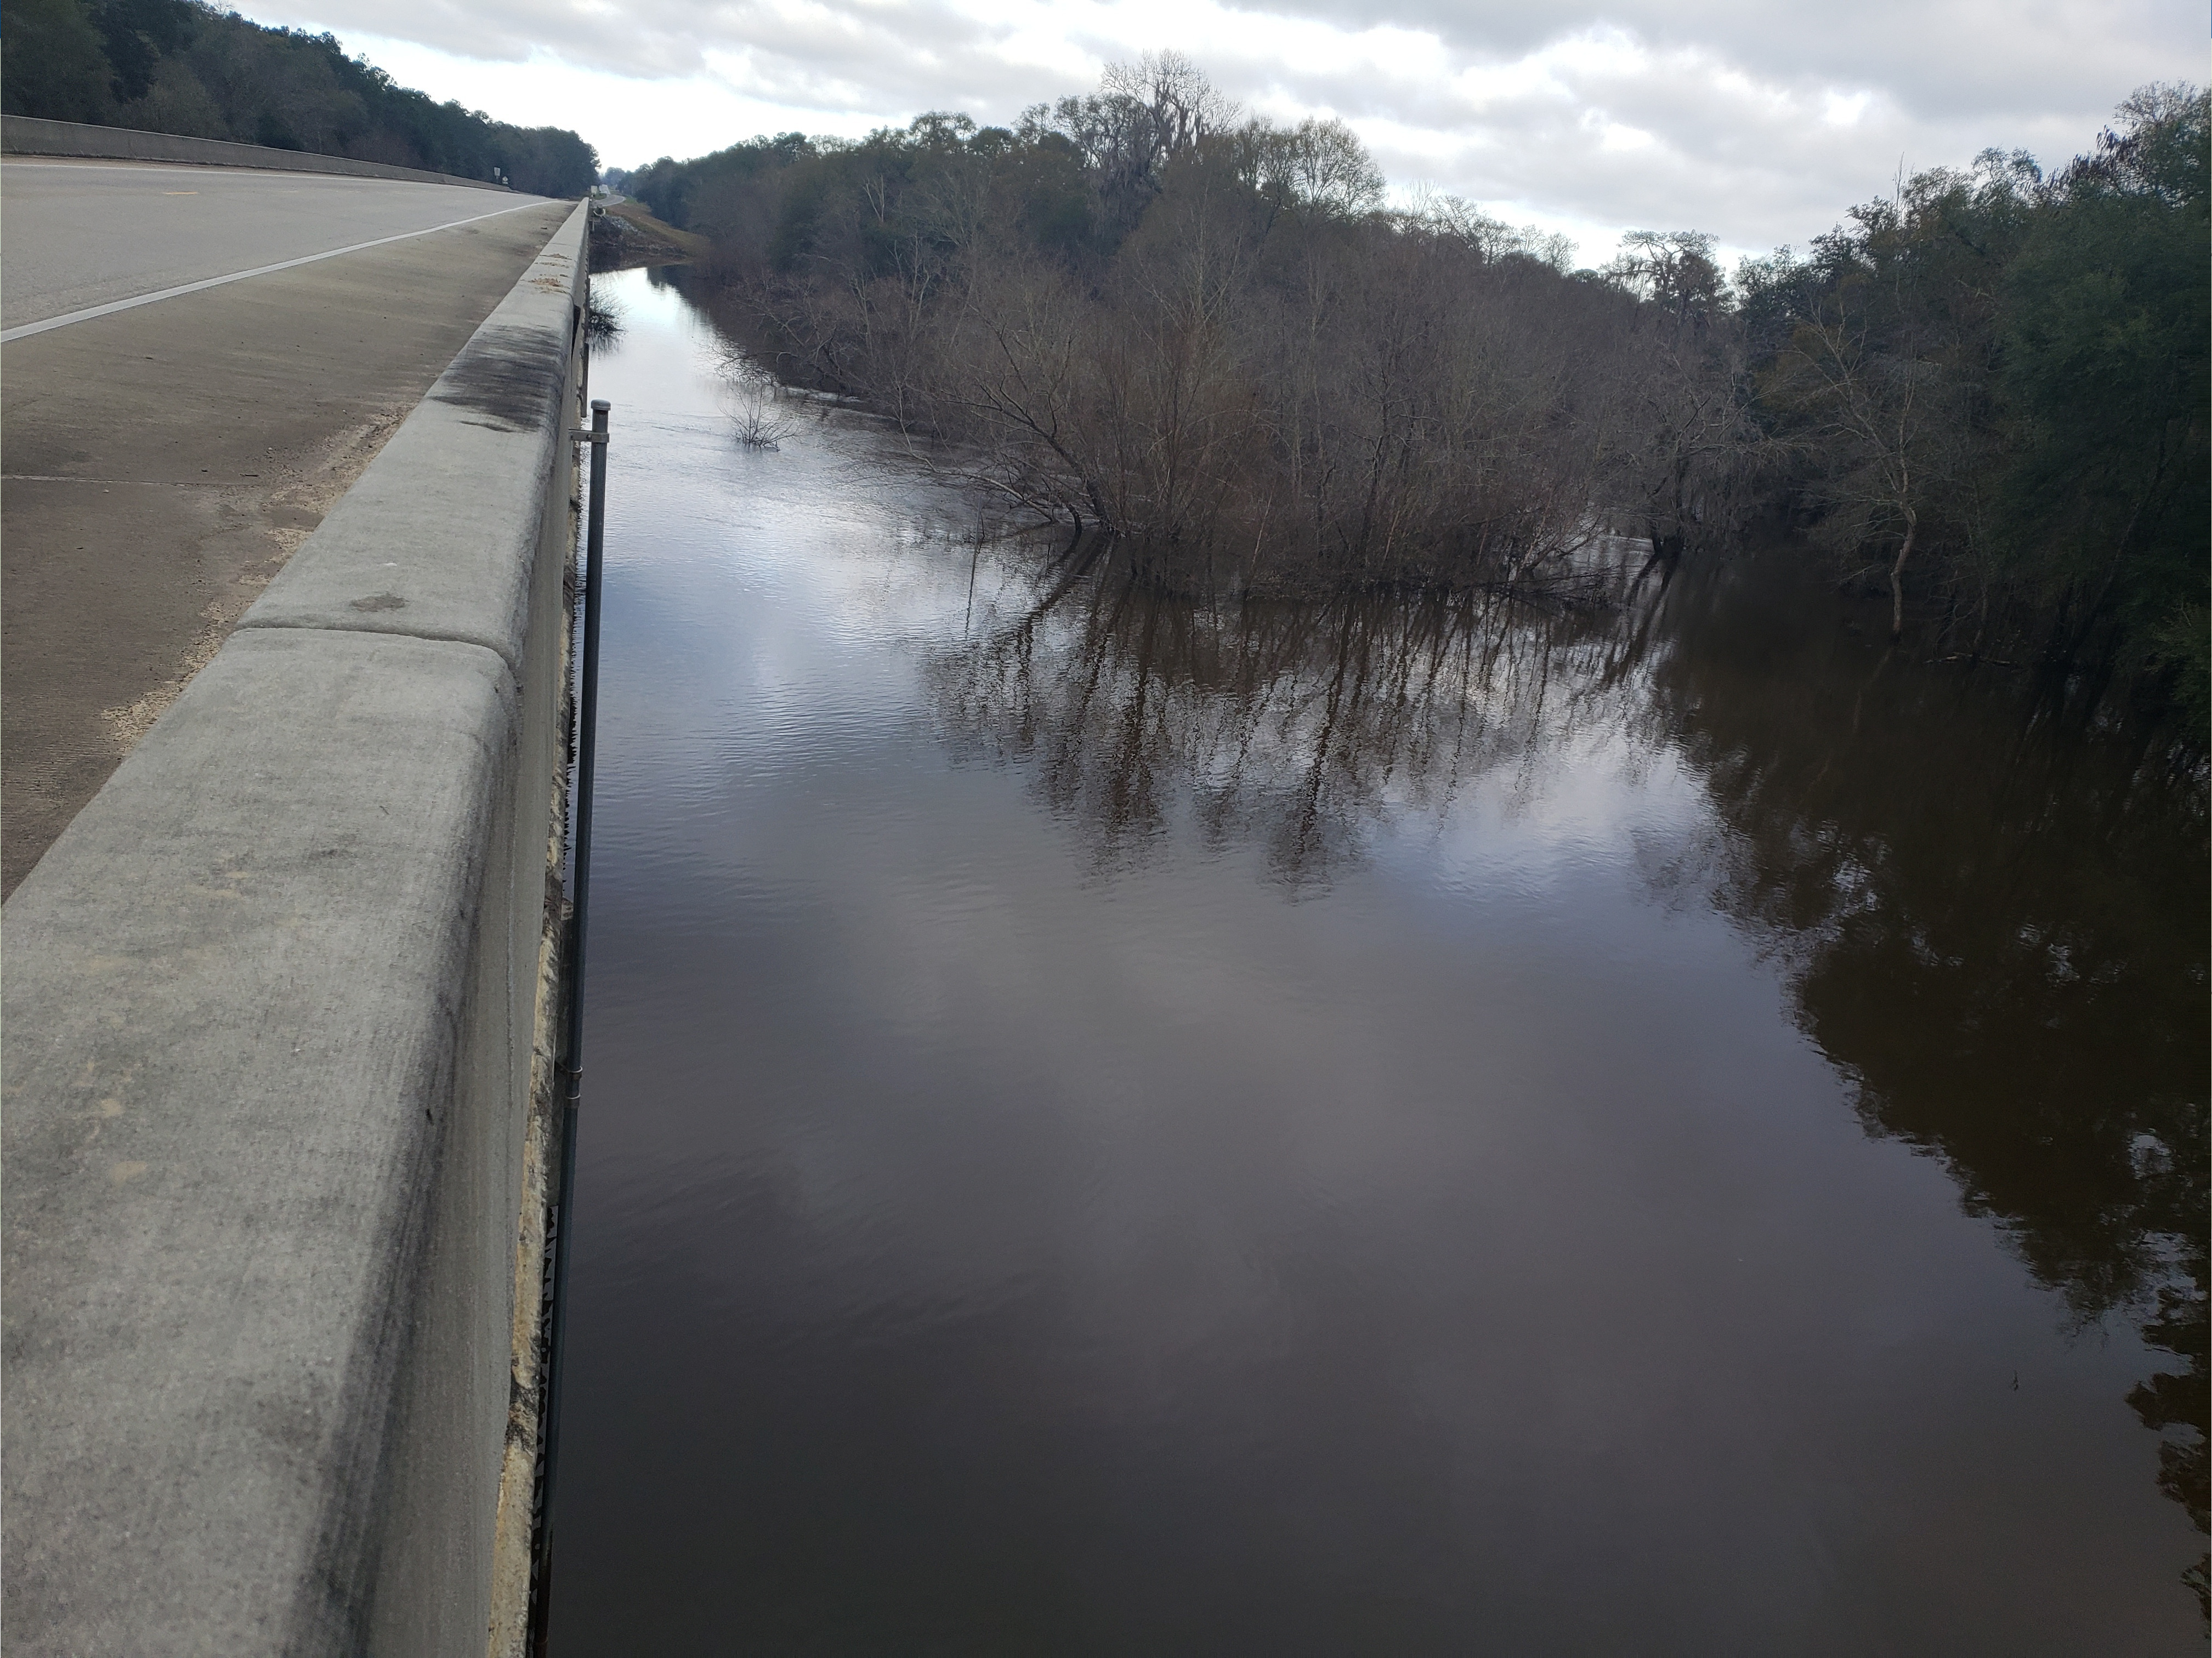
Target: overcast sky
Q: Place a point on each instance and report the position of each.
(1758, 120)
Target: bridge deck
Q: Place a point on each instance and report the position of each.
(159, 465)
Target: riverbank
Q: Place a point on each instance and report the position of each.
(625, 237)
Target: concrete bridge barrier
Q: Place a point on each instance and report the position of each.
(274, 1098)
(28, 135)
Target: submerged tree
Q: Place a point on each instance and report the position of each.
(1998, 380)
(1205, 334)
(1139, 310)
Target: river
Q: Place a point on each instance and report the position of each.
(1123, 1126)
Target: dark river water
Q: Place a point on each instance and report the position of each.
(1120, 1128)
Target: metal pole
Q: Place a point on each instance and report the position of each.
(572, 1061)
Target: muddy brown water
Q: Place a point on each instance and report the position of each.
(1121, 1127)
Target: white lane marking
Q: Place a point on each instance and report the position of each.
(8, 336)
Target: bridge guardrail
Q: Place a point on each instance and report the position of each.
(278, 1023)
(28, 135)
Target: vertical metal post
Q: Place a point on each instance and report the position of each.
(572, 1061)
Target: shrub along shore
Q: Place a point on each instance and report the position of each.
(1137, 312)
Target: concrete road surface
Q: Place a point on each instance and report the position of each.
(82, 234)
(159, 464)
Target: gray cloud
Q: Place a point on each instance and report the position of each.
(1933, 56)
(1756, 121)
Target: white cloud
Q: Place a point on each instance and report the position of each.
(1759, 121)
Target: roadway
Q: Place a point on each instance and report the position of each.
(160, 462)
(84, 234)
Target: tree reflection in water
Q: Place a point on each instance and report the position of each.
(1294, 726)
(1995, 927)
(1992, 925)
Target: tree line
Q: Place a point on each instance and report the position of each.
(1992, 384)
(1139, 311)
(186, 67)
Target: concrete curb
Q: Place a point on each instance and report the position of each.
(276, 1062)
(27, 134)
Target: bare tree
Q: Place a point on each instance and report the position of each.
(1874, 415)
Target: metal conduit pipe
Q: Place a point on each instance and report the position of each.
(572, 1058)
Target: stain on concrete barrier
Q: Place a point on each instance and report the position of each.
(503, 375)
